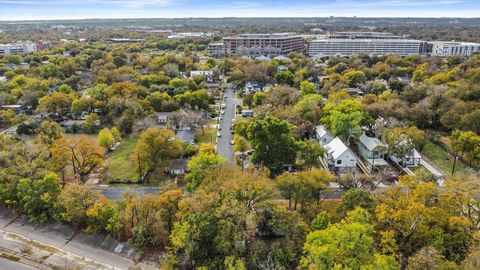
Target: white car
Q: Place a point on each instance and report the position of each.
(232, 142)
(222, 112)
(223, 106)
(233, 120)
(219, 134)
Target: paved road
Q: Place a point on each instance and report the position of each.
(224, 148)
(12, 265)
(114, 193)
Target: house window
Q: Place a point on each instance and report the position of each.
(339, 161)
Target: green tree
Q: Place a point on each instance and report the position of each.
(156, 100)
(354, 198)
(105, 139)
(198, 167)
(345, 245)
(117, 136)
(37, 198)
(154, 147)
(400, 145)
(428, 258)
(49, 131)
(354, 77)
(465, 144)
(321, 221)
(74, 201)
(92, 122)
(309, 152)
(241, 144)
(13, 59)
(273, 143)
(304, 187)
(80, 153)
(307, 88)
(178, 83)
(57, 104)
(104, 216)
(259, 98)
(285, 77)
(344, 118)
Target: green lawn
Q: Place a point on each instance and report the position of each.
(422, 172)
(444, 161)
(120, 164)
(94, 136)
(209, 136)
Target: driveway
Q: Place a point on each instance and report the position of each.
(224, 148)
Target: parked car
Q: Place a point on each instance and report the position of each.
(223, 106)
(232, 142)
(219, 134)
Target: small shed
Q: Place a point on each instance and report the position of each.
(323, 135)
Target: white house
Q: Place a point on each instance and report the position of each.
(206, 73)
(251, 87)
(177, 167)
(339, 155)
(412, 160)
(372, 150)
(323, 135)
(162, 118)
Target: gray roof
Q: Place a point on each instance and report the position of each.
(187, 136)
(322, 131)
(178, 164)
(163, 115)
(336, 148)
(371, 143)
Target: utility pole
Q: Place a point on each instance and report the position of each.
(454, 163)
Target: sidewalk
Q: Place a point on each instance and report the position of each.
(56, 245)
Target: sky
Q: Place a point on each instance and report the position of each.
(83, 9)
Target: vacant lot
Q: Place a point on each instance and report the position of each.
(120, 164)
(209, 137)
(444, 161)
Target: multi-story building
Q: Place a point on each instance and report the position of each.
(426, 47)
(216, 49)
(449, 48)
(271, 45)
(327, 46)
(362, 35)
(18, 48)
(186, 35)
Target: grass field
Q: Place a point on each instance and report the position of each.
(209, 136)
(120, 164)
(444, 161)
(422, 172)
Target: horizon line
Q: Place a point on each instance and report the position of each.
(241, 17)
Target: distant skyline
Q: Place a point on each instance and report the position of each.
(89, 9)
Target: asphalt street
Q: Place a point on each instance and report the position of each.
(224, 148)
(114, 193)
(13, 265)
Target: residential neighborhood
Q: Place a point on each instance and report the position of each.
(180, 135)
